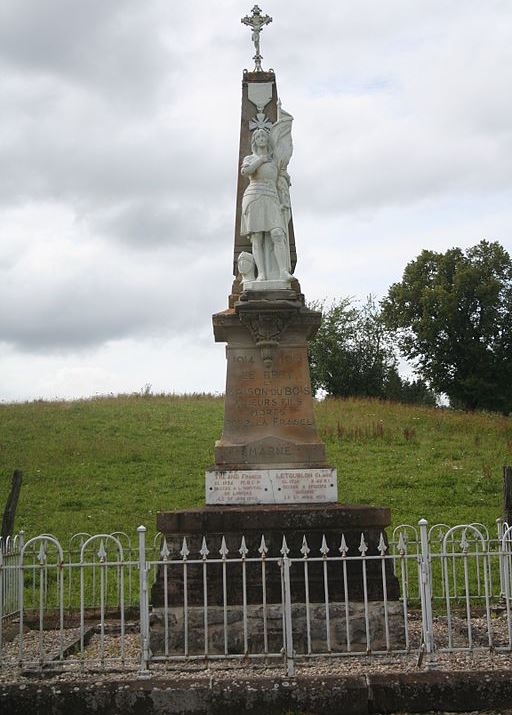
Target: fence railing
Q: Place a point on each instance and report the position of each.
(10, 551)
(88, 604)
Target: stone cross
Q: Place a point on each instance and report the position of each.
(256, 22)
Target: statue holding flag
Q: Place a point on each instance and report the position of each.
(266, 210)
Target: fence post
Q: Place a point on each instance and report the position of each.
(500, 531)
(143, 606)
(288, 633)
(426, 588)
(11, 504)
(21, 594)
(19, 564)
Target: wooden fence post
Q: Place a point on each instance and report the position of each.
(11, 504)
(507, 494)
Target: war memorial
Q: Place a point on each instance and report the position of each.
(270, 478)
(273, 569)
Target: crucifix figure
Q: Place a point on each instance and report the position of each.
(256, 22)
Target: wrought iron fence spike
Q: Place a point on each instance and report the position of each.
(284, 547)
(204, 548)
(263, 550)
(324, 549)
(382, 548)
(402, 545)
(243, 550)
(223, 551)
(363, 547)
(343, 546)
(304, 549)
(165, 553)
(185, 551)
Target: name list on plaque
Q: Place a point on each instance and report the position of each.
(271, 486)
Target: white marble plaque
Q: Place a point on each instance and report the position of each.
(259, 93)
(271, 486)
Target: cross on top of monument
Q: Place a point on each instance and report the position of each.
(256, 22)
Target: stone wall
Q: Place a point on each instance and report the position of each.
(314, 695)
(255, 628)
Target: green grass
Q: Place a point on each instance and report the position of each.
(439, 464)
(111, 463)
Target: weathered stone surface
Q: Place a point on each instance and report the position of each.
(274, 626)
(271, 486)
(261, 696)
(452, 692)
(268, 418)
(323, 694)
(274, 521)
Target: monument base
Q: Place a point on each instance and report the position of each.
(273, 521)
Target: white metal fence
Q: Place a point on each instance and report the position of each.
(9, 559)
(88, 605)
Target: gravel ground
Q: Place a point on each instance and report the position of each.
(109, 649)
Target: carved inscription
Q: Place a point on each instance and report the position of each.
(268, 397)
(271, 486)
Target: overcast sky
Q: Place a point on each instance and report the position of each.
(119, 126)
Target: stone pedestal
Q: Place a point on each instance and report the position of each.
(273, 522)
(268, 417)
(269, 423)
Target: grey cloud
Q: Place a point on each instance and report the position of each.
(68, 139)
(71, 314)
(439, 127)
(147, 224)
(107, 303)
(113, 47)
(396, 150)
(59, 158)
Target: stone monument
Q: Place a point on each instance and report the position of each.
(270, 475)
(269, 451)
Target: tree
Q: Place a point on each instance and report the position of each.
(353, 355)
(452, 316)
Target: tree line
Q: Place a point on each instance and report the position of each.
(450, 317)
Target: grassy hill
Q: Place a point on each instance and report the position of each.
(111, 463)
